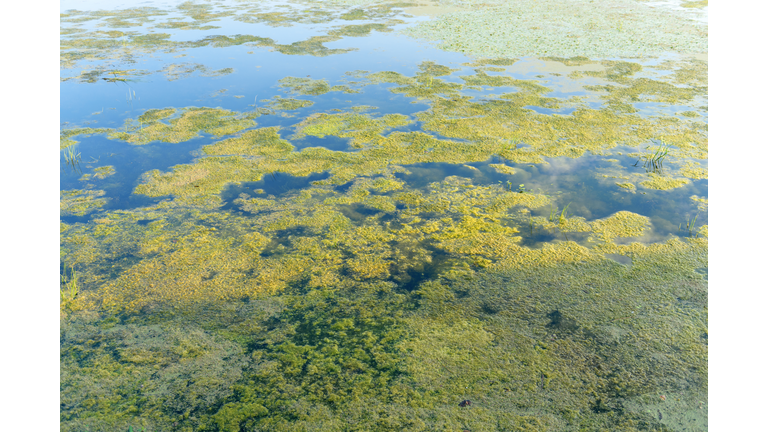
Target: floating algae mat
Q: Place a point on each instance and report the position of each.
(380, 216)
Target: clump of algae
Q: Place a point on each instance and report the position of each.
(288, 104)
(660, 182)
(503, 169)
(361, 128)
(183, 127)
(363, 29)
(80, 202)
(373, 351)
(692, 170)
(703, 203)
(309, 86)
(103, 172)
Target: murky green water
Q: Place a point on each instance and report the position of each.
(293, 216)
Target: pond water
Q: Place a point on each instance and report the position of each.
(358, 215)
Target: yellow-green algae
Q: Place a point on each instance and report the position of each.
(703, 203)
(288, 104)
(660, 182)
(309, 86)
(80, 202)
(503, 169)
(361, 128)
(382, 306)
(363, 29)
(692, 170)
(695, 4)
(99, 173)
(187, 125)
(523, 332)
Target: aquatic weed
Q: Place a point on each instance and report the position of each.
(690, 224)
(564, 214)
(70, 290)
(72, 158)
(653, 162)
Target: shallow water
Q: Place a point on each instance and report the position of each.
(527, 234)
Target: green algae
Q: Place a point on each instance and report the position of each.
(645, 90)
(599, 29)
(182, 127)
(348, 340)
(309, 86)
(289, 104)
(80, 202)
(692, 170)
(365, 348)
(258, 142)
(103, 172)
(659, 182)
(176, 71)
(389, 77)
(695, 4)
(185, 25)
(492, 62)
(617, 71)
(361, 30)
(690, 72)
(312, 46)
(361, 128)
(503, 169)
(703, 203)
(149, 360)
(378, 304)
(571, 61)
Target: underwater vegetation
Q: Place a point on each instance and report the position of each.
(447, 243)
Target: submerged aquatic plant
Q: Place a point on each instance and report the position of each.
(564, 214)
(690, 224)
(653, 161)
(72, 157)
(69, 283)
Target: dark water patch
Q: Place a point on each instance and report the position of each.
(533, 237)
(421, 175)
(281, 241)
(276, 184)
(548, 111)
(329, 142)
(409, 278)
(76, 219)
(621, 259)
(358, 212)
(560, 322)
(343, 188)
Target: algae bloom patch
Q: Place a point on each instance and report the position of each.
(306, 215)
